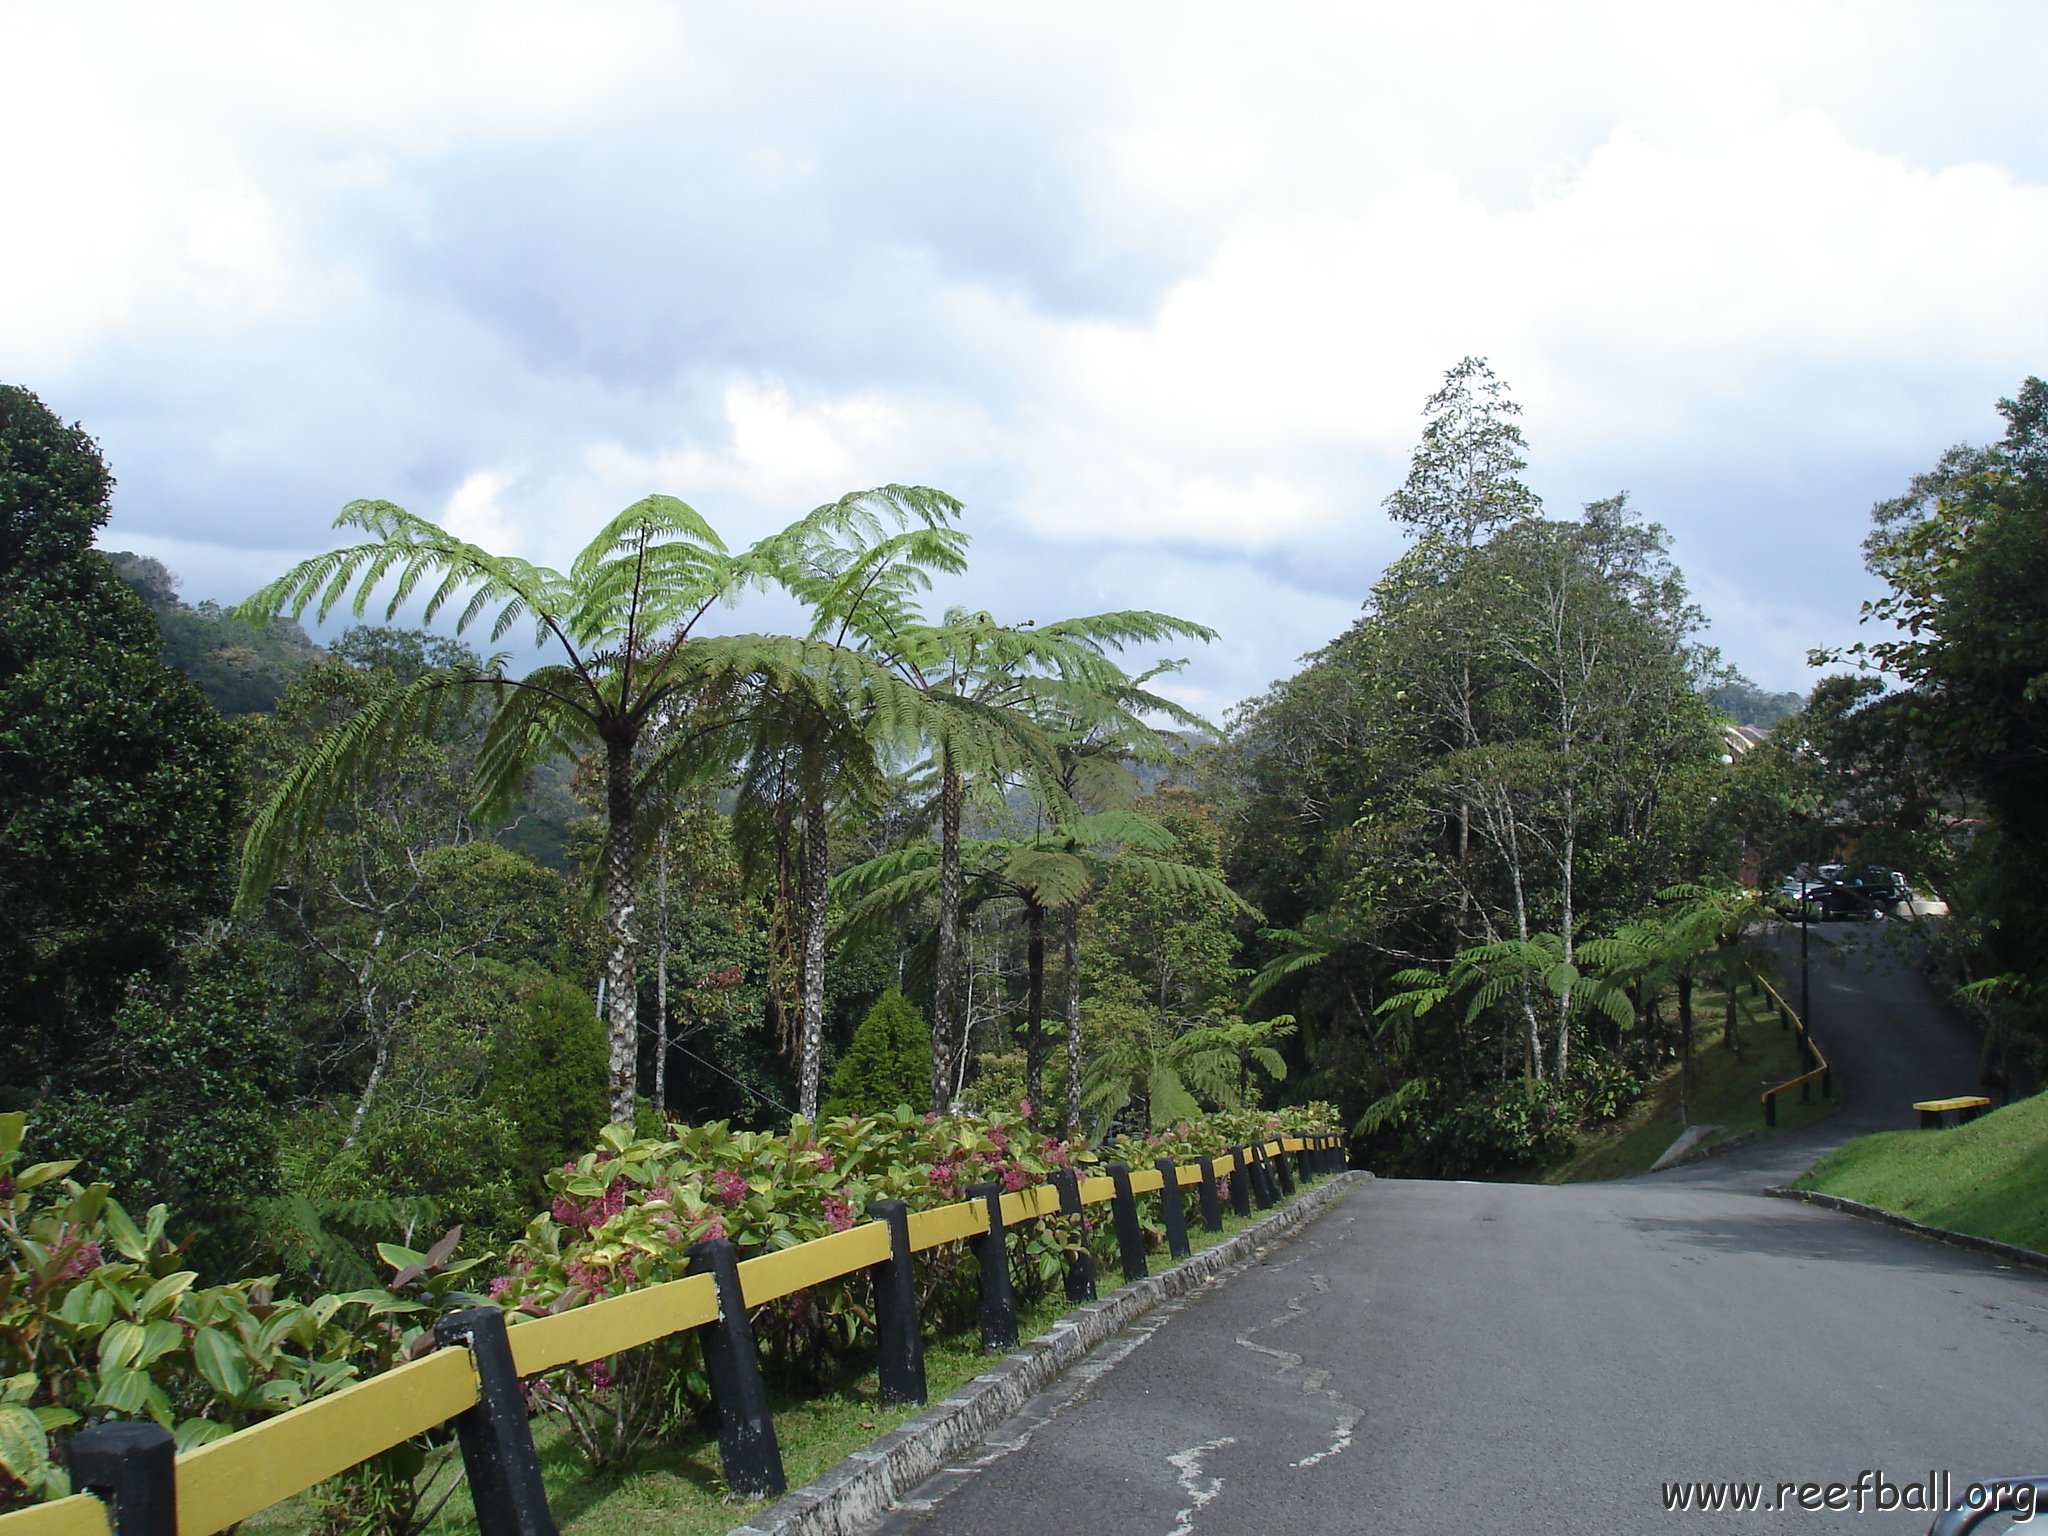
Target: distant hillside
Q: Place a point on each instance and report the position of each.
(1746, 704)
(244, 669)
(241, 668)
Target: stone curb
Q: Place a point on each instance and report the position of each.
(2010, 1253)
(1733, 1143)
(867, 1484)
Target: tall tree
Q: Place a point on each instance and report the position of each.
(989, 686)
(624, 629)
(1964, 556)
(1465, 477)
(115, 773)
(859, 564)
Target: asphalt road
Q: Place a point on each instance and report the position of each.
(1459, 1357)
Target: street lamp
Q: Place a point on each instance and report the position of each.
(1805, 989)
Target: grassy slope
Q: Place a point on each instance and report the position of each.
(1983, 1178)
(1725, 1094)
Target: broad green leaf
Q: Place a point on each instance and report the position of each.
(42, 1173)
(123, 1390)
(24, 1449)
(221, 1362)
(159, 1298)
(120, 1344)
(85, 1209)
(194, 1433)
(12, 1127)
(159, 1338)
(126, 1237)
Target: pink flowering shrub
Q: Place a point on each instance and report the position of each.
(98, 1318)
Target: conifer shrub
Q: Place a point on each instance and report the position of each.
(888, 1062)
(550, 1080)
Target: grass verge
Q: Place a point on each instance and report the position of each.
(1725, 1092)
(1983, 1178)
(676, 1486)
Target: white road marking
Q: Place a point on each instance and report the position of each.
(1314, 1380)
(1187, 1466)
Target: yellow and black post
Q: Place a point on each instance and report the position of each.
(899, 1340)
(1242, 1186)
(1212, 1202)
(992, 1248)
(1130, 1237)
(1173, 1209)
(495, 1435)
(747, 1448)
(1277, 1161)
(1081, 1266)
(131, 1466)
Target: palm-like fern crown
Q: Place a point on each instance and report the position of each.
(619, 632)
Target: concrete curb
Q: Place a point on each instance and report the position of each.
(1733, 1143)
(2010, 1253)
(864, 1486)
(1686, 1148)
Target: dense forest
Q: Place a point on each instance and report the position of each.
(323, 943)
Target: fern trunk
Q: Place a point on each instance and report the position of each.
(661, 981)
(622, 990)
(1034, 1040)
(816, 909)
(946, 1023)
(1070, 944)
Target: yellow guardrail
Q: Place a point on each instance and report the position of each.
(225, 1482)
(1820, 1072)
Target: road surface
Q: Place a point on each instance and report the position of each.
(1447, 1357)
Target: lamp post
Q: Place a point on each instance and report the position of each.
(1805, 914)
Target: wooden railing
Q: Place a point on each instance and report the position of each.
(1817, 1068)
(136, 1486)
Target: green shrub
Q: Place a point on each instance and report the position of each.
(180, 1109)
(888, 1062)
(1502, 1128)
(549, 1080)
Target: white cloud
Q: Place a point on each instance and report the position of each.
(475, 513)
(1127, 279)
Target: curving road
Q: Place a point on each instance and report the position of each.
(1442, 1357)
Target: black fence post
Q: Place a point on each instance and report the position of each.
(131, 1466)
(1827, 1082)
(899, 1339)
(1771, 1111)
(747, 1448)
(992, 1248)
(1081, 1268)
(1173, 1208)
(1130, 1237)
(1212, 1201)
(1264, 1190)
(1281, 1166)
(1241, 1186)
(495, 1435)
(1305, 1162)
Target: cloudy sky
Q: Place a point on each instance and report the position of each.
(1158, 291)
